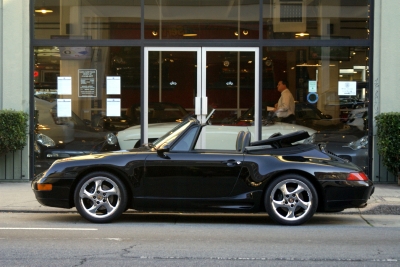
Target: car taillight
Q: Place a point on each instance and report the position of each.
(357, 176)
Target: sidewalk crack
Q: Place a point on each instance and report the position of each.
(365, 220)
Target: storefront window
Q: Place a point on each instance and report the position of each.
(117, 19)
(331, 92)
(96, 84)
(201, 19)
(318, 19)
(81, 95)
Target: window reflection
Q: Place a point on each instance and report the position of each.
(323, 77)
(329, 84)
(202, 19)
(117, 19)
(300, 19)
(72, 98)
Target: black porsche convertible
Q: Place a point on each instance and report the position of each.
(182, 171)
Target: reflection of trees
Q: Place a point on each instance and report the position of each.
(48, 96)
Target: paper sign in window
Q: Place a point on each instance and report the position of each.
(64, 85)
(87, 82)
(64, 108)
(113, 85)
(312, 86)
(113, 107)
(347, 88)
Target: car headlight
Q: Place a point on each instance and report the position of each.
(360, 143)
(36, 148)
(45, 140)
(111, 139)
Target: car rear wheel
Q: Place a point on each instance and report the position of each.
(291, 200)
(100, 197)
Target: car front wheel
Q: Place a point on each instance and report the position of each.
(291, 200)
(100, 197)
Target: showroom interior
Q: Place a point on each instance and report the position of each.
(100, 67)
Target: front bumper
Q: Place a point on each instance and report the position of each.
(60, 196)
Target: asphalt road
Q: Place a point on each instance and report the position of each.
(174, 239)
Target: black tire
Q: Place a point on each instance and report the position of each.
(291, 200)
(100, 197)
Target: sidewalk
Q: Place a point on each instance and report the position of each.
(18, 197)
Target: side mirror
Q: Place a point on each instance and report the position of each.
(161, 152)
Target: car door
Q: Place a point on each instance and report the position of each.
(184, 172)
(192, 174)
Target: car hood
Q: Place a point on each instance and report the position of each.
(95, 156)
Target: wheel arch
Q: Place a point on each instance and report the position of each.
(307, 175)
(120, 174)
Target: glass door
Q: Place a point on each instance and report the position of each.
(171, 84)
(180, 82)
(230, 82)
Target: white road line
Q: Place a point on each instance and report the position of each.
(45, 229)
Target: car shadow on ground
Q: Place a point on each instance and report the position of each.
(205, 218)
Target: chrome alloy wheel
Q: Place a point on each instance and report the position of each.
(291, 201)
(99, 197)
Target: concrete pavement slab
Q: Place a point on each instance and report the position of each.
(382, 220)
(19, 197)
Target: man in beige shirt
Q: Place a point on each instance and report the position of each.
(285, 107)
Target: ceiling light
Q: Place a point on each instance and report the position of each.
(43, 10)
(189, 32)
(245, 32)
(312, 65)
(302, 34)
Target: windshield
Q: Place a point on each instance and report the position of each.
(173, 134)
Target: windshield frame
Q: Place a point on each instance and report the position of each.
(170, 136)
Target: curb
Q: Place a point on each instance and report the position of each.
(36, 211)
(371, 209)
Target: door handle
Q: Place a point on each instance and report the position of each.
(232, 163)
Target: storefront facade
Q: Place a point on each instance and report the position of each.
(103, 66)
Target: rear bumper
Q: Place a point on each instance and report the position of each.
(345, 195)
